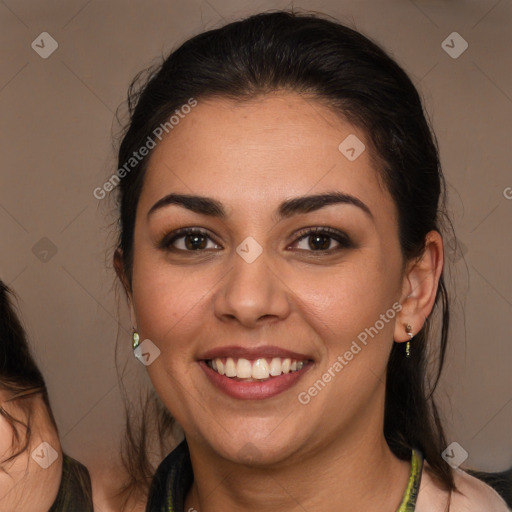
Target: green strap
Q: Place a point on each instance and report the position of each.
(177, 485)
(408, 503)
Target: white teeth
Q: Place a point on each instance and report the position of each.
(260, 369)
(230, 367)
(220, 366)
(243, 369)
(275, 367)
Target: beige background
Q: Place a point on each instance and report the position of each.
(56, 147)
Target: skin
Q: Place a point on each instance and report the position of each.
(251, 156)
(106, 480)
(25, 485)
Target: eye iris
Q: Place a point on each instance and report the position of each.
(324, 246)
(195, 241)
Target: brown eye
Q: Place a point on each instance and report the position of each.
(194, 241)
(320, 240)
(188, 240)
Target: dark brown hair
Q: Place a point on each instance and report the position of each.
(322, 59)
(19, 375)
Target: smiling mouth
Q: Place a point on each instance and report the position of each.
(253, 370)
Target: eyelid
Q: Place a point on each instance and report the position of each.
(164, 242)
(343, 240)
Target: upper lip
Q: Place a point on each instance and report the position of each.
(264, 351)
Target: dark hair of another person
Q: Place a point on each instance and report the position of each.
(323, 61)
(20, 377)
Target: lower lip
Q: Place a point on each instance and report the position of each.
(257, 390)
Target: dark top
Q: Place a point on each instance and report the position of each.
(75, 493)
(501, 482)
(174, 477)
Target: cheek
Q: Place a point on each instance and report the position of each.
(166, 300)
(354, 316)
(349, 299)
(170, 310)
(6, 438)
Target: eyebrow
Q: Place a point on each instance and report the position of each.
(302, 204)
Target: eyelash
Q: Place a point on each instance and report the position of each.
(338, 236)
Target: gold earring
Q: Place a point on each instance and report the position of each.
(135, 339)
(408, 330)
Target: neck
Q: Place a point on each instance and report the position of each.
(354, 471)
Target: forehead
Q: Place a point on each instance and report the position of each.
(260, 151)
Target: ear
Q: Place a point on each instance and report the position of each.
(419, 289)
(121, 274)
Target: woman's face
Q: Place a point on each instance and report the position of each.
(254, 290)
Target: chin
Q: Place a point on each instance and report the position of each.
(255, 449)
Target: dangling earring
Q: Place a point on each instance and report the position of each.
(135, 339)
(408, 330)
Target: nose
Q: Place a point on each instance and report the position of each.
(252, 293)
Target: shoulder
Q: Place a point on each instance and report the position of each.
(473, 496)
(476, 495)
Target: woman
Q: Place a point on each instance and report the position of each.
(35, 474)
(281, 202)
